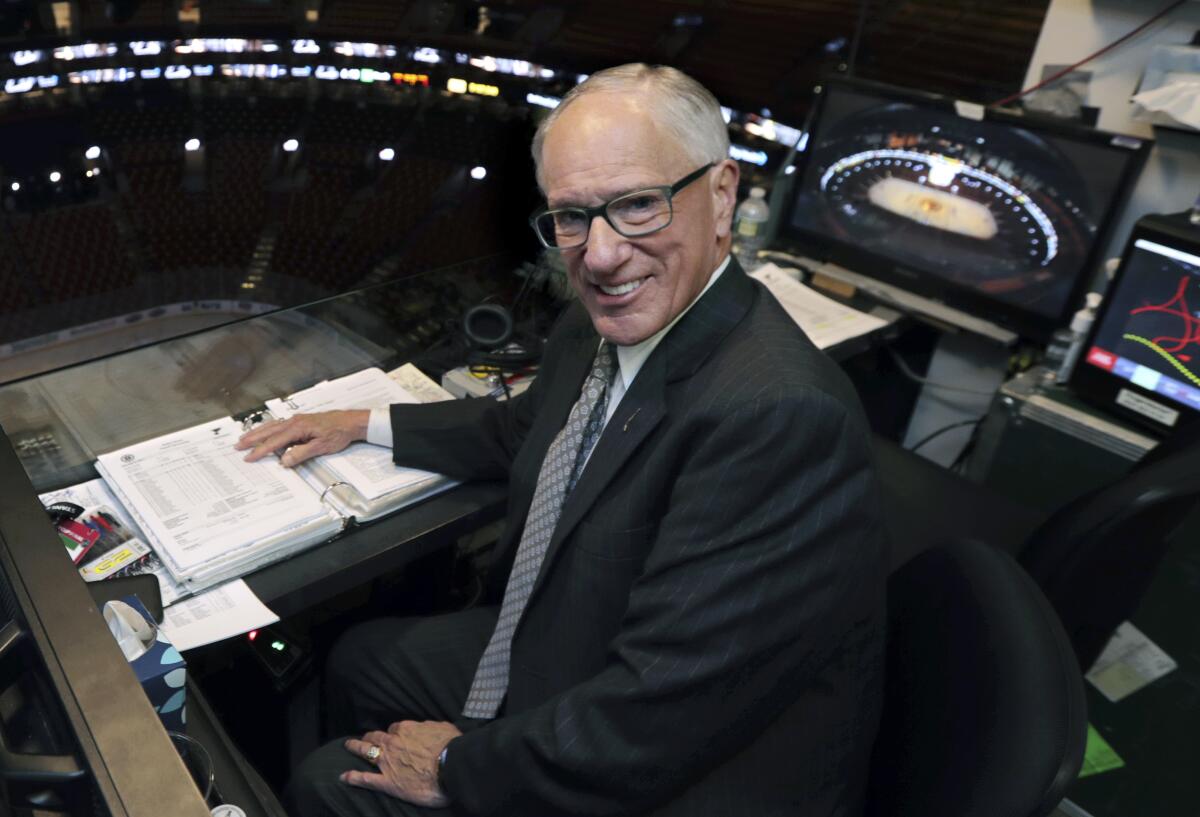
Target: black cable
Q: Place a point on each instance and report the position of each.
(934, 435)
(959, 464)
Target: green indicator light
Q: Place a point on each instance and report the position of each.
(278, 645)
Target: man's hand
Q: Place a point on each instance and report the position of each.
(407, 761)
(305, 435)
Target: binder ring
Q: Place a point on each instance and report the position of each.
(331, 486)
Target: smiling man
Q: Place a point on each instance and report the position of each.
(690, 587)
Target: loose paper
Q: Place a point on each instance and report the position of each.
(414, 381)
(214, 615)
(825, 321)
(1128, 663)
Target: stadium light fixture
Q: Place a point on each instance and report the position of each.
(55, 177)
(191, 145)
(93, 152)
(291, 145)
(16, 186)
(478, 173)
(387, 154)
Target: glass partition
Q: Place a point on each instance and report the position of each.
(59, 421)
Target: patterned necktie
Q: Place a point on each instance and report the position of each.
(560, 471)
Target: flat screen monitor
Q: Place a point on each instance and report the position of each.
(995, 213)
(1142, 359)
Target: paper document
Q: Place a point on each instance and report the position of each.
(368, 468)
(95, 492)
(825, 321)
(204, 500)
(1128, 663)
(414, 381)
(214, 615)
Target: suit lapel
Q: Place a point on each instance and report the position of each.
(679, 355)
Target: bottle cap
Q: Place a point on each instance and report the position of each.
(757, 193)
(1084, 317)
(228, 810)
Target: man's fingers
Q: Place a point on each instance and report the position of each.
(257, 434)
(376, 738)
(367, 780)
(299, 453)
(398, 727)
(358, 747)
(280, 437)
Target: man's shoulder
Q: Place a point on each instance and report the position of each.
(767, 353)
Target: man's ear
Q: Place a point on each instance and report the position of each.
(724, 187)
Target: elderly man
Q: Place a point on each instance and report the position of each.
(692, 571)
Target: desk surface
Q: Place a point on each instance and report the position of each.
(363, 553)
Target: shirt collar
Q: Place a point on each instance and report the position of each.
(631, 358)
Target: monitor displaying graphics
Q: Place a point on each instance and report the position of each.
(1143, 356)
(998, 215)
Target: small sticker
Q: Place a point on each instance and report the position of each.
(1147, 407)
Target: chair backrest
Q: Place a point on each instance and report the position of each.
(984, 712)
(1095, 556)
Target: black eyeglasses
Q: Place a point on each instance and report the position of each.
(633, 215)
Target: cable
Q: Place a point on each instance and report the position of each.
(1057, 75)
(924, 381)
(933, 436)
(960, 462)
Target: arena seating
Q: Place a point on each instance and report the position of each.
(332, 216)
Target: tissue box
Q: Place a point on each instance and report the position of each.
(162, 673)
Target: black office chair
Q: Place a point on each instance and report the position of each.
(1095, 557)
(984, 712)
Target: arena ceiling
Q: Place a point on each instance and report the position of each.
(751, 53)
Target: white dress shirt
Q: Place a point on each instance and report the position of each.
(629, 361)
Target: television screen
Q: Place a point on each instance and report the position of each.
(999, 216)
(1143, 355)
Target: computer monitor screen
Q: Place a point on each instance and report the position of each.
(1143, 355)
(999, 216)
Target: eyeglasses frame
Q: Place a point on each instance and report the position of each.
(668, 190)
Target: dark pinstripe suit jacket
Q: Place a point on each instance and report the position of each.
(705, 635)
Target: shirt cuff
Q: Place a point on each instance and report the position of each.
(379, 428)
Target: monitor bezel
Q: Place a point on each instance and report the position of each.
(1024, 322)
(1101, 388)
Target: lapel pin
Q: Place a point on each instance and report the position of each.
(630, 420)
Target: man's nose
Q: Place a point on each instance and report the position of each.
(606, 248)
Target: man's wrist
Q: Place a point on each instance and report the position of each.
(441, 769)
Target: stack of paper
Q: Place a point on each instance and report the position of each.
(209, 514)
(825, 321)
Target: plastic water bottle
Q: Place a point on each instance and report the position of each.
(1081, 324)
(750, 228)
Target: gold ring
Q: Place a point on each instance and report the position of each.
(373, 754)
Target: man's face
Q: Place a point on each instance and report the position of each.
(605, 145)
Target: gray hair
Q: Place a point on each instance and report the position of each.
(685, 109)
